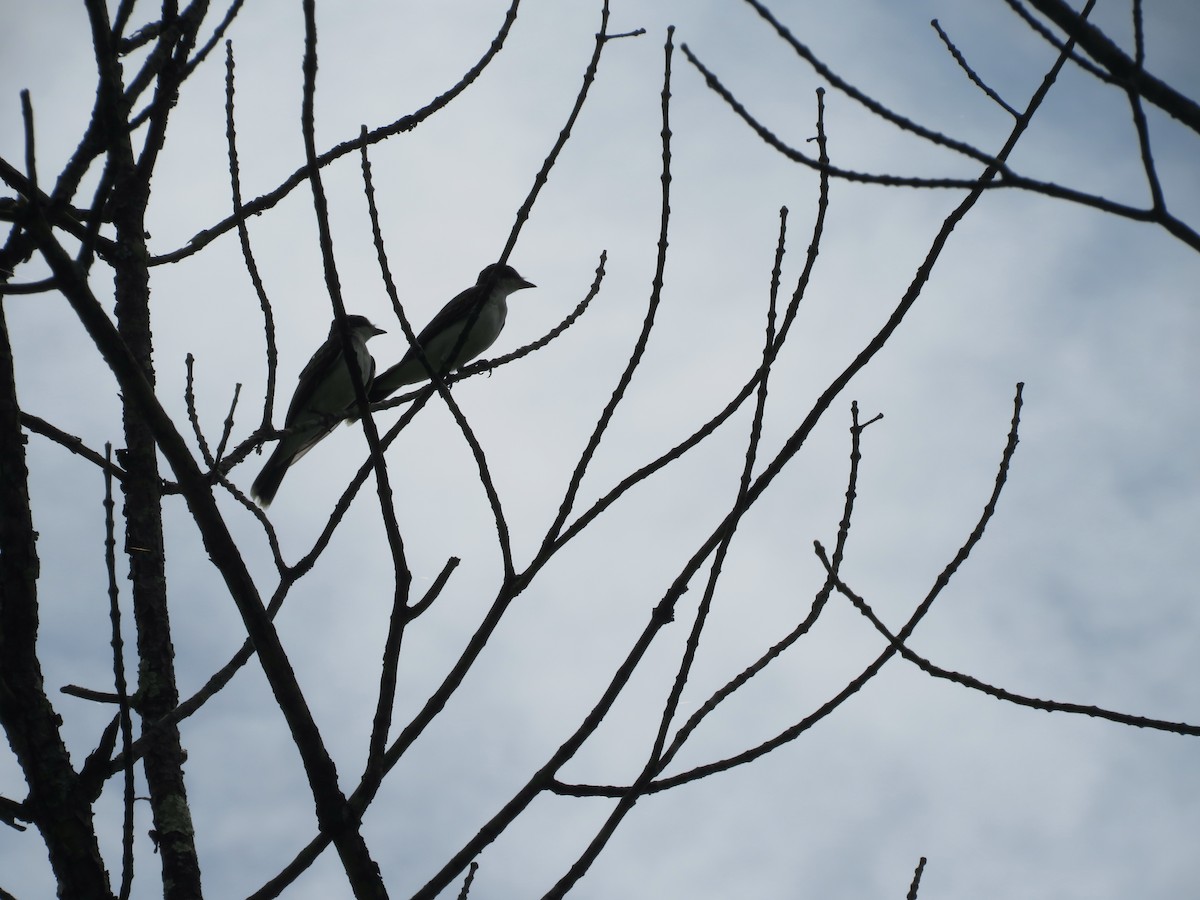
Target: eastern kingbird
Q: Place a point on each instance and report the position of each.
(325, 390)
(482, 307)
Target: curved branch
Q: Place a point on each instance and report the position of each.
(1125, 71)
(405, 123)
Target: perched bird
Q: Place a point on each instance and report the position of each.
(325, 390)
(482, 307)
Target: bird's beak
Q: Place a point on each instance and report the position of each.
(377, 331)
(525, 284)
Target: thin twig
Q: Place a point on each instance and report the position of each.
(189, 401)
(655, 759)
(401, 574)
(219, 542)
(1154, 90)
(816, 608)
(651, 767)
(223, 26)
(235, 184)
(820, 601)
(95, 696)
(120, 20)
(793, 444)
(336, 819)
(30, 140)
(971, 73)
(70, 442)
(118, 649)
(437, 381)
(468, 880)
(708, 428)
(509, 589)
(227, 428)
(1054, 41)
(1139, 114)
(856, 684)
(487, 365)
(543, 175)
(11, 811)
(192, 704)
(1124, 70)
(639, 347)
(1007, 177)
(383, 132)
(435, 589)
(915, 885)
(1000, 693)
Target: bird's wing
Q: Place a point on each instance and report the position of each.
(313, 376)
(307, 438)
(409, 370)
(458, 308)
(316, 375)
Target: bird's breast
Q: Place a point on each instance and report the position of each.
(483, 333)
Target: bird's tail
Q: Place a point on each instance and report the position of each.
(287, 452)
(266, 485)
(407, 371)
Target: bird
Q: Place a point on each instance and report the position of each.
(323, 392)
(482, 306)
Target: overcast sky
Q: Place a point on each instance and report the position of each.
(1083, 589)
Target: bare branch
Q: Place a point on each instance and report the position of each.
(189, 401)
(975, 79)
(539, 181)
(235, 183)
(70, 442)
(998, 692)
(402, 575)
(405, 123)
(118, 648)
(857, 683)
(915, 885)
(337, 820)
(30, 140)
(1124, 70)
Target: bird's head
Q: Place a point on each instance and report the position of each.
(360, 328)
(499, 276)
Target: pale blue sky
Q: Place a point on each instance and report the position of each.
(1083, 590)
